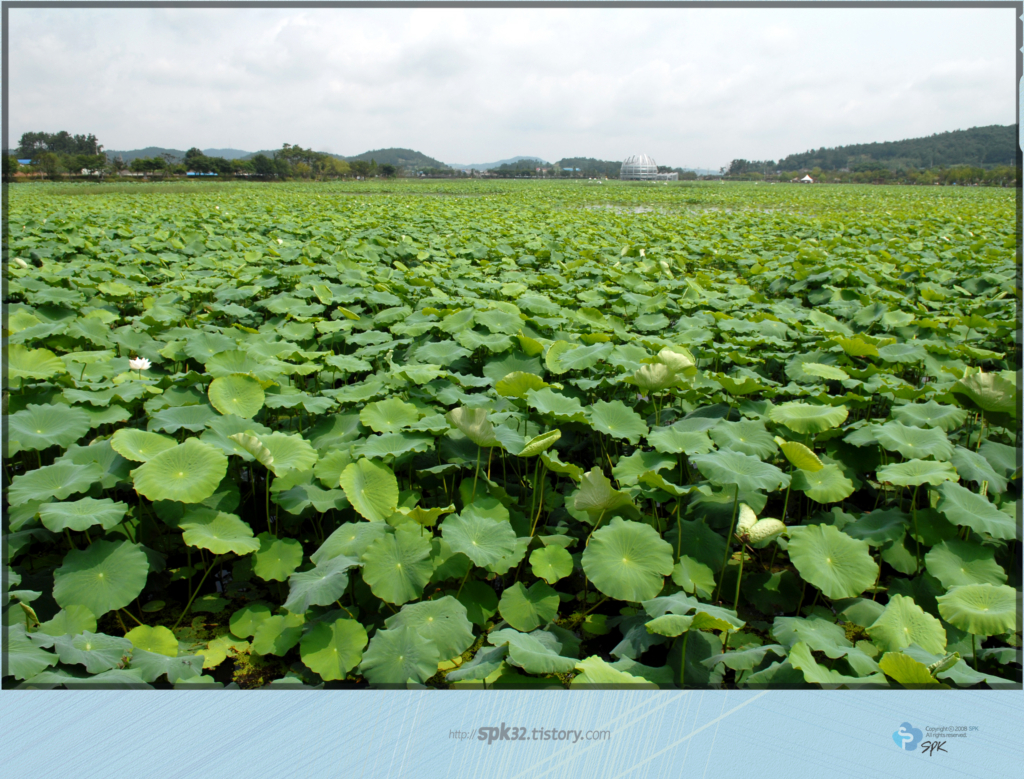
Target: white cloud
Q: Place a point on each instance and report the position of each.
(688, 86)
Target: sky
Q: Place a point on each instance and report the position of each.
(690, 87)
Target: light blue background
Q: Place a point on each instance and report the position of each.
(365, 734)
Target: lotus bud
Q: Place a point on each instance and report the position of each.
(746, 520)
(765, 530)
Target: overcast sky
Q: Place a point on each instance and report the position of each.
(692, 88)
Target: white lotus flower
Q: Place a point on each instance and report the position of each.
(139, 364)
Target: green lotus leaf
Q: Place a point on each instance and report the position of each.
(104, 576)
(963, 507)
(526, 609)
(152, 665)
(1001, 457)
(628, 470)
(397, 567)
(550, 563)
(980, 609)
(351, 539)
(237, 394)
(332, 649)
(556, 405)
(72, 620)
(140, 445)
(442, 353)
(426, 517)
(287, 453)
(518, 383)
(245, 621)
(742, 470)
(553, 357)
(693, 576)
(973, 467)
(389, 416)
(988, 392)
(829, 372)
(400, 656)
(485, 662)
(480, 601)
(907, 671)
(328, 469)
(218, 532)
(482, 539)
(879, 527)
(190, 473)
(555, 465)
(98, 652)
(23, 363)
(800, 456)
(904, 623)
(627, 560)
(536, 653)
(81, 514)
(276, 635)
(442, 622)
(596, 495)
(617, 420)
(392, 445)
(746, 436)
(473, 423)
(371, 488)
(40, 427)
(158, 640)
(800, 657)
(540, 443)
(193, 418)
(914, 442)
(837, 564)
(674, 440)
(806, 419)
(827, 485)
(902, 353)
(277, 558)
(669, 625)
(321, 585)
(24, 658)
(956, 563)
(930, 414)
(705, 617)
(913, 473)
(52, 481)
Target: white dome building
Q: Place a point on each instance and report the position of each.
(640, 167)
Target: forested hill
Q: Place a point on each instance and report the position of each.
(400, 158)
(978, 146)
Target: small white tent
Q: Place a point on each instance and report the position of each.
(806, 180)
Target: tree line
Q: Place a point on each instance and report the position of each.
(872, 173)
(55, 155)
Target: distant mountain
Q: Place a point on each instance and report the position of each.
(149, 151)
(979, 146)
(400, 158)
(178, 154)
(499, 163)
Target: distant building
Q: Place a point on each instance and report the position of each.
(640, 167)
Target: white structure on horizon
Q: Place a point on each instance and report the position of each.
(640, 167)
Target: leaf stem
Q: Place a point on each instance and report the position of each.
(198, 588)
(728, 538)
(476, 472)
(132, 616)
(596, 526)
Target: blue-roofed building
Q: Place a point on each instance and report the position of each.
(24, 162)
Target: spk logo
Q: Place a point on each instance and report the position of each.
(907, 737)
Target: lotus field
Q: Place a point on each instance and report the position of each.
(493, 434)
